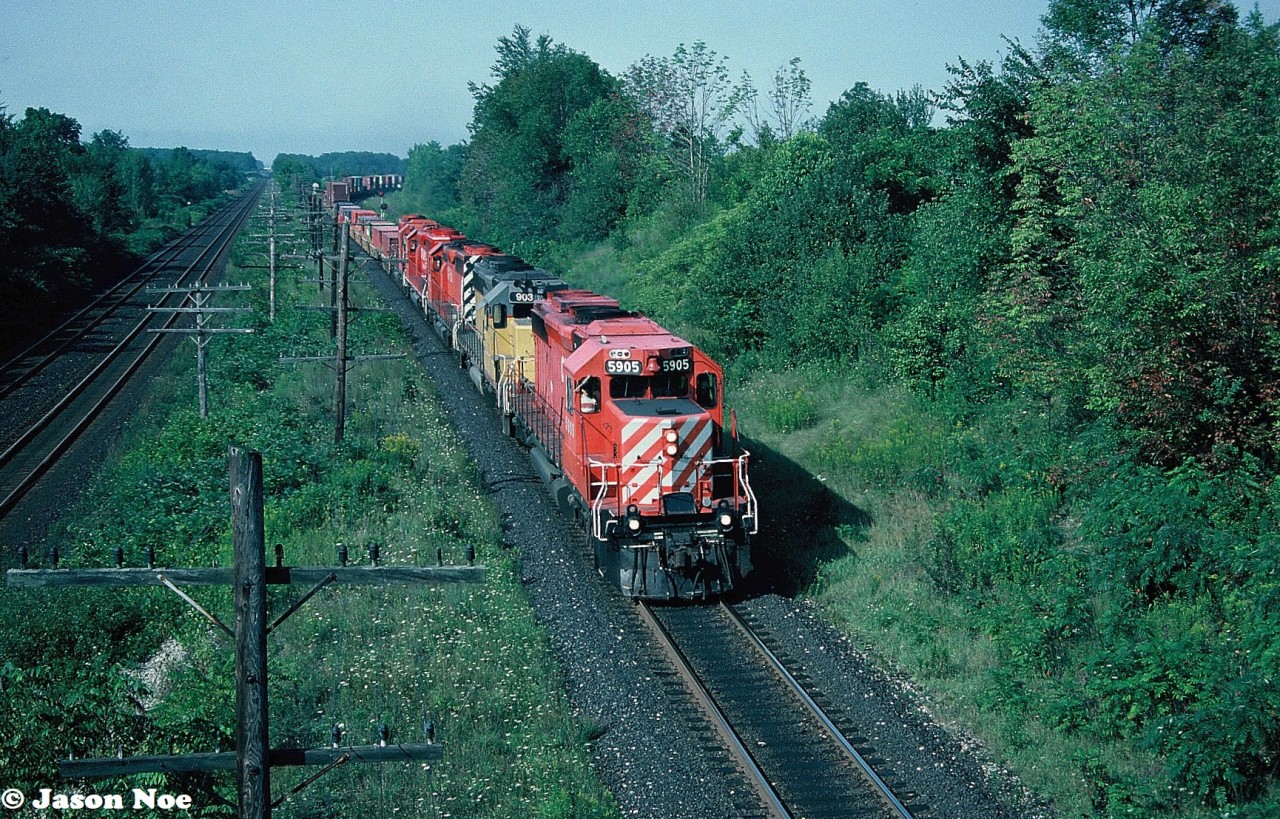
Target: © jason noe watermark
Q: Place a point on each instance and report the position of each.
(139, 799)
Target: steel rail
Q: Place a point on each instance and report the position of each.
(816, 710)
(122, 290)
(764, 788)
(222, 242)
(223, 237)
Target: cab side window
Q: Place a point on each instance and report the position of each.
(706, 392)
(589, 395)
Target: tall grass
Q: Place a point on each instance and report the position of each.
(471, 660)
(913, 526)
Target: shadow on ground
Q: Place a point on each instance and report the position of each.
(799, 523)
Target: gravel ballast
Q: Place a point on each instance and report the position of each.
(649, 751)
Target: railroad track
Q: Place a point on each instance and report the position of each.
(768, 734)
(797, 760)
(52, 391)
(22, 367)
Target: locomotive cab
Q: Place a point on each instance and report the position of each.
(508, 288)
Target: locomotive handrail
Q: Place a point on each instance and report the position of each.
(742, 482)
(599, 531)
(748, 492)
(507, 370)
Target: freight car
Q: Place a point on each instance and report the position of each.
(624, 421)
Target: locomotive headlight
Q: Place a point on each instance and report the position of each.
(672, 450)
(671, 436)
(724, 516)
(632, 521)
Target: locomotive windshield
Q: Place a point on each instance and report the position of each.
(662, 385)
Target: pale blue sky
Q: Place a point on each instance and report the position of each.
(379, 75)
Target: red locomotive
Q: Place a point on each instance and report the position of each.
(631, 417)
(625, 422)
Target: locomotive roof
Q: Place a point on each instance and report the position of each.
(496, 265)
(596, 318)
(435, 229)
(494, 269)
(584, 307)
(463, 242)
(641, 334)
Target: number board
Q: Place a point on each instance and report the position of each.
(676, 365)
(622, 367)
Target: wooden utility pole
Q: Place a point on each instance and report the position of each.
(274, 217)
(271, 257)
(340, 360)
(340, 316)
(253, 771)
(253, 758)
(200, 294)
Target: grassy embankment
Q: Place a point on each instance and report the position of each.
(866, 491)
(472, 659)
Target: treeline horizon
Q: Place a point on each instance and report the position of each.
(77, 213)
(297, 171)
(1074, 288)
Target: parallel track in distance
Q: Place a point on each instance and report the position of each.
(57, 387)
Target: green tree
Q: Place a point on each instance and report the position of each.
(788, 103)
(518, 171)
(885, 142)
(1144, 248)
(431, 177)
(98, 185)
(1084, 33)
(690, 101)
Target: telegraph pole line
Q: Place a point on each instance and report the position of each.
(200, 295)
(272, 255)
(340, 360)
(339, 316)
(249, 576)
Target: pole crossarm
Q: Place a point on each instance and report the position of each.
(324, 309)
(205, 288)
(199, 309)
(331, 359)
(222, 576)
(202, 331)
(226, 760)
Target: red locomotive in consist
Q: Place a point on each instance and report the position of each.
(625, 421)
(631, 417)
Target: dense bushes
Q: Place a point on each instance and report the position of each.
(1045, 336)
